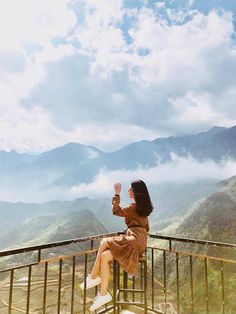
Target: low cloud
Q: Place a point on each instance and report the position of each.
(179, 170)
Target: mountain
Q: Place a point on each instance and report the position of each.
(49, 166)
(212, 217)
(52, 228)
(12, 159)
(173, 200)
(216, 144)
(13, 216)
(72, 164)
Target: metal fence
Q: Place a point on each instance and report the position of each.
(184, 276)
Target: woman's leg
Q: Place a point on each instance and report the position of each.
(106, 258)
(97, 265)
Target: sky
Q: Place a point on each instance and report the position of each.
(108, 73)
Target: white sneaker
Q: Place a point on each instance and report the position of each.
(90, 283)
(96, 296)
(100, 300)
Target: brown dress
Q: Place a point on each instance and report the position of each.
(127, 247)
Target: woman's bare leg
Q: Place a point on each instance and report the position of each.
(106, 258)
(97, 265)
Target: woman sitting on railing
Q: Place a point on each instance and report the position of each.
(125, 248)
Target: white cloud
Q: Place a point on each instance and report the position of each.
(201, 107)
(190, 3)
(16, 123)
(159, 4)
(24, 23)
(111, 136)
(142, 66)
(179, 52)
(33, 21)
(179, 170)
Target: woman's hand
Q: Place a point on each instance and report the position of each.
(117, 188)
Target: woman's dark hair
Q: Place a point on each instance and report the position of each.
(142, 198)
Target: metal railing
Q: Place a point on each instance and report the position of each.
(194, 276)
(184, 276)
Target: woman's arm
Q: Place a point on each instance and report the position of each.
(122, 211)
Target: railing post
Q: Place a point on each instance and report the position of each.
(206, 282)
(11, 291)
(28, 290)
(164, 274)
(222, 286)
(177, 281)
(152, 278)
(191, 282)
(45, 287)
(73, 285)
(59, 287)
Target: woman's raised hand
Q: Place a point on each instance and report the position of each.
(117, 188)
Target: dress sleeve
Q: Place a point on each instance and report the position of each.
(122, 211)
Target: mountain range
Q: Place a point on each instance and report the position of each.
(25, 222)
(204, 210)
(212, 217)
(52, 228)
(75, 163)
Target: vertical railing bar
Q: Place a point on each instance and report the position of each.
(170, 245)
(145, 287)
(96, 288)
(39, 255)
(124, 284)
(85, 281)
(59, 287)
(133, 286)
(45, 287)
(91, 245)
(206, 282)
(73, 285)
(115, 285)
(118, 284)
(28, 290)
(191, 282)
(152, 278)
(141, 281)
(177, 280)
(11, 291)
(164, 273)
(222, 285)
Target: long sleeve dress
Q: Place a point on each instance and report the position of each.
(127, 247)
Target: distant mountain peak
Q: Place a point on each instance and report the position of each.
(216, 129)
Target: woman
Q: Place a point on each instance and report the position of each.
(125, 248)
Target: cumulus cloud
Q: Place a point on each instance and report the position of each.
(27, 29)
(34, 21)
(151, 69)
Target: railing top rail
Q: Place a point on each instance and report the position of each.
(55, 244)
(189, 240)
(99, 236)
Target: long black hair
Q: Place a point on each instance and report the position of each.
(142, 198)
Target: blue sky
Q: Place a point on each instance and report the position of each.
(111, 72)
